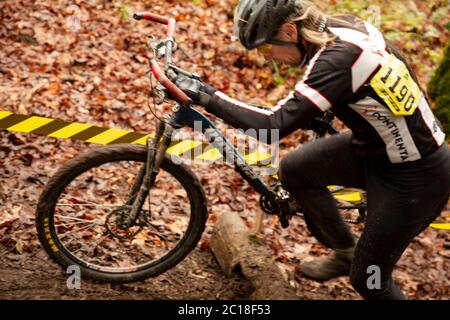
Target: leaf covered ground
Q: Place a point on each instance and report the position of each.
(86, 61)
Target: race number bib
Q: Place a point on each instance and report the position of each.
(394, 84)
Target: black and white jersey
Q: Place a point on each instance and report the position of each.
(347, 77)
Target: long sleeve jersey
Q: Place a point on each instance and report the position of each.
(366, 83)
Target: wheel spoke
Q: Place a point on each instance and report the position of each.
(79, 229)
(79, 222)
(70, 218)
(87, 205)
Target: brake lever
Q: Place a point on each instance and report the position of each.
(188, 74)
(172, 75)
(153, 42)
(162, 94)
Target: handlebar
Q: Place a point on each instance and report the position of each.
(176, 93)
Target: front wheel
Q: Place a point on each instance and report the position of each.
(77, 216)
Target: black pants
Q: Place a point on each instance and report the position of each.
(402, 200)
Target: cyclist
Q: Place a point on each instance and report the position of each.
(396, 149)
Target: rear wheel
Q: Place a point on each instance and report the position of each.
(78, 214)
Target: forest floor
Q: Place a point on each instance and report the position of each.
(95, 71)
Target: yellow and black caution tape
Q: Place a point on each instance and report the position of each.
(442, 226)
(93, 134)
(55, 128)
(443, 223)
(65, 130)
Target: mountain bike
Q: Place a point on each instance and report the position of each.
(126, 212)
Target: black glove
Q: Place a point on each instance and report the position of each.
(323, 124)
(199, 92)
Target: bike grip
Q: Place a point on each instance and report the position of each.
(170, 22)
(175, 92)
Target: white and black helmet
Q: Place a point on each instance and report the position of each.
(257, 21)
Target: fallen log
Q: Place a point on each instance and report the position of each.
(238, 250)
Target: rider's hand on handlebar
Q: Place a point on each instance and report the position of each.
(199, 92)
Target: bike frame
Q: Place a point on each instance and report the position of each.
(183, 117)
(186, 117)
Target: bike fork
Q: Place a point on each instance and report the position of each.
(156, 151)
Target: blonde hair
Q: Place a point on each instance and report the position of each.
(311, 24)
(311, 19)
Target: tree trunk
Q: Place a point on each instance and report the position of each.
(439, 91)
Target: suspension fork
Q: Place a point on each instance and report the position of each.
(156, 151)
(151, 151)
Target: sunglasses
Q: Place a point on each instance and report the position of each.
(266, 48)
